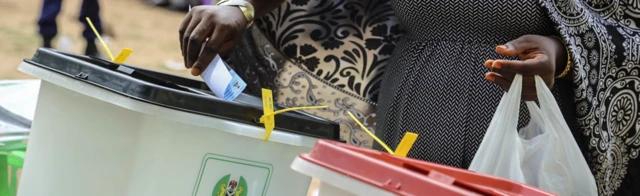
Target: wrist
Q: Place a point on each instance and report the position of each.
(245, 7)
(563, 59)
(263, 7)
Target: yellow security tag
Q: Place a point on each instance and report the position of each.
(124, 54)
(405, 144)
(100, 38)
(268, 117)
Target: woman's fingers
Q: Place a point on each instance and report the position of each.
(197, 40)
(187, 26)
(186, 37)
(534, 61)
(221, 25)
(530, 97)
(518, 46)
(228, 45)
(528, 92)
(533, 66)
(527, 80)
(211, 49)
(489, 64)
(183, 27)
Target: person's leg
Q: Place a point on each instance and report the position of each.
(47, 21)
(91, 9)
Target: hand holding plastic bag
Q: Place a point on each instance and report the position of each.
(543, 154)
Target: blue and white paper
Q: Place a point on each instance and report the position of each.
(222, 81)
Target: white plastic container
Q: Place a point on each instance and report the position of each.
(87, 140)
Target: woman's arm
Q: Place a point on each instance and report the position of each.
(263, 7)
(218, 28)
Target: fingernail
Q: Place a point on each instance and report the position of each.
(186, 62)
(506, 47)
(497, 65)
(488, 64)
(195, 71)
(489, 77)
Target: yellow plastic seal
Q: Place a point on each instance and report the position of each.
(405, 144)
(100, 38)
(124, 54)
(403, 148)
(268, 117)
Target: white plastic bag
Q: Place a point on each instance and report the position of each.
(543, 154)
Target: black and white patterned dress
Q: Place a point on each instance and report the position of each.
(434, 83)
(337, 52)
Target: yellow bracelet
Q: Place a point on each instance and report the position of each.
(567, 67)
(566, 70)
(245, 7)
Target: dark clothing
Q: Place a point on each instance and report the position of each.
(434, 84)
(336, 53)
(51, 9)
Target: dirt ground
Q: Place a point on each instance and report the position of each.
(151, 32)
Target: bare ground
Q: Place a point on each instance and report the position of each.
(151, 32)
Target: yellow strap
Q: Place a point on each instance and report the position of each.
(371, 134)
(124, 54)
(403, 148)
(268, 117)
(100, 38)
(405, 144)
(298, 108)
(269, 124)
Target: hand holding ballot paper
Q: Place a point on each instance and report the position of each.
(221, 79)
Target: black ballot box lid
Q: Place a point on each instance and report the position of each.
(177, 93)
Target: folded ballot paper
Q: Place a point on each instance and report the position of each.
(222, 80)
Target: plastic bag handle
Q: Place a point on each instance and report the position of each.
(551, 110)
(548, 106)
(548, 103)
(510, 103)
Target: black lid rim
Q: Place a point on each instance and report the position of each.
(174, 96)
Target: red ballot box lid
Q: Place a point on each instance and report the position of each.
(406, 176)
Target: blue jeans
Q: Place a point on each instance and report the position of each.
(51, 9)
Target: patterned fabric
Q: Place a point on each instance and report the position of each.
(334, 53)
(434, 85)
(323, 53)
(604, 40)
